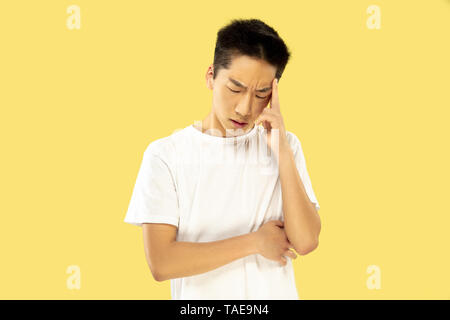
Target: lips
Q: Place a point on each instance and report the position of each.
(239, 122)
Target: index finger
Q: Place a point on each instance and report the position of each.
(274, 103)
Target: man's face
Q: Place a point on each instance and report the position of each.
(241, 92)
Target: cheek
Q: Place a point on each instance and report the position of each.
(227, 100)
(219, 99)
(224, 96)
(223, 103)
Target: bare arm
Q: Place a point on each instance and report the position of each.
(168, 258)
(301, 219)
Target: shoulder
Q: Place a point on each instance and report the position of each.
(293, 140)
(165, 148)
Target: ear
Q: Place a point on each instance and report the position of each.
(209, 77)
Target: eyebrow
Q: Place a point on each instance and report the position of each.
(242, 86)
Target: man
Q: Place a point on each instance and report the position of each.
(224, 201)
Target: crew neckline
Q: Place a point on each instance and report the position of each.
(224, 140)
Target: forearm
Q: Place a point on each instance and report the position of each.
(301, 221)
(184, 259)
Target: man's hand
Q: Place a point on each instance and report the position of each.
(273, 243)
(271, 118)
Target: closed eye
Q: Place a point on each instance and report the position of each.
(239, 91)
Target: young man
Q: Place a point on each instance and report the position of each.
(224, 201)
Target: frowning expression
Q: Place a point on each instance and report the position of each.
(242, 91)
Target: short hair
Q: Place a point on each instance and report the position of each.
(253, 38)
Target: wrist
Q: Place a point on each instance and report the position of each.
(253, 243)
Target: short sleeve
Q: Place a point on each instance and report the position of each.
(154, 198)
(301, 167)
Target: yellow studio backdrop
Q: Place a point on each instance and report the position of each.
(367, 91)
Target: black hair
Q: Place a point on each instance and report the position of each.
(253, 38)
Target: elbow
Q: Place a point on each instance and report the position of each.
(305, 249)
(311, 245)
(156, 272)
(158, 276)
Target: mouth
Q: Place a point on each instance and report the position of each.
(238, 124)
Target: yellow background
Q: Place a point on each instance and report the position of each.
(78, 108)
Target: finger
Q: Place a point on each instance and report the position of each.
(283, 261)
(291, 254)
(289, 245)
(274, 101)
(260, 119)
(263, 115)
(270, 118)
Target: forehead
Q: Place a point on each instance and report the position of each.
(249, 64)
(249, 71)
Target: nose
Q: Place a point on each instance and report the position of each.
(244, 107)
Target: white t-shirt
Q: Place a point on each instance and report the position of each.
(213, 188)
